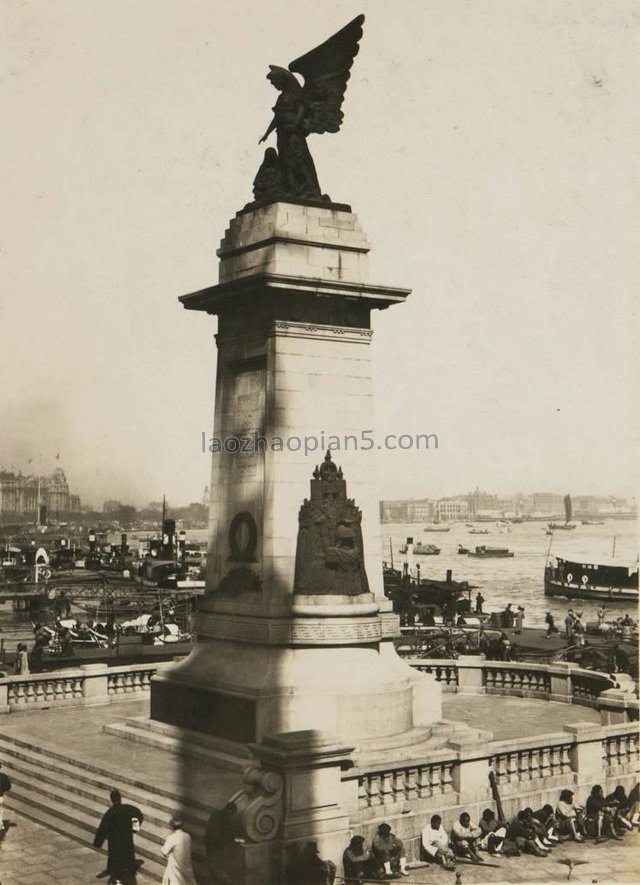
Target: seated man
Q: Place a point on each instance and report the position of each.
(524, 836)
(570, 817)
(622, 812)
(600, 814)
(464, 838)
(358, 861)
(435, 843)
(546, 818)
(494, 832)
(389, 851)
(312, 869)
(539, 830)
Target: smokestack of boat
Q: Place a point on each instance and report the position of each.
(449, 575)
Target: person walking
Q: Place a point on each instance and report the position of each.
(177, 850)
(21, 665)
(5, 786)
(117, 827)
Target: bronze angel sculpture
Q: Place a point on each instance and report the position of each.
(300, 110)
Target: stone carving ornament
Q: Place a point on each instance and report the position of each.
(300, 110)
(329, 553)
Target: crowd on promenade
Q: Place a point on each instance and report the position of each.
(535, 832)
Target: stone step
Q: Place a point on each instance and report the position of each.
(28, 763)
(60, 792)
(83, 801)
(52, 817)
(112, 778)
(182, 742)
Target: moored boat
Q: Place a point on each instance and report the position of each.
(576, 580)
(487, 552)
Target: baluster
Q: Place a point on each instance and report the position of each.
(363, 793)
(446, 777)
(30, 692)
(411, 783)
(424, 782)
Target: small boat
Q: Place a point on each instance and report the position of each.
(567, 525)
(421, 549)
(462, 550)
(436, 527)
(493, 552)
(593, 522)
(479, 532)
(576, 580)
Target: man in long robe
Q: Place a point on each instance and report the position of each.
(177, 850)
(117, 827)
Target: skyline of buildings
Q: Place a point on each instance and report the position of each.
(483, 504)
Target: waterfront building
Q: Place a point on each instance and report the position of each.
(21, 494)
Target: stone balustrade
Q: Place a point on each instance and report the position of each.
(420, 780)
(528, 771)
(87, 685)
(562, 682)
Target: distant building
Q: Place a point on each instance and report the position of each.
(20, 495)
(547, 502)
(111, 506)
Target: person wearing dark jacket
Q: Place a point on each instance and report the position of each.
(601, 812)
(117, 827)
(523, 835)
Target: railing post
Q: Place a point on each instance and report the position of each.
(470, 672)
(4, 695)
(586, 757)
(561, 685)
(94, 684)
(470, 774)
(613, 706)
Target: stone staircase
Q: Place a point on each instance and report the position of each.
(219, 753)
(69, 796)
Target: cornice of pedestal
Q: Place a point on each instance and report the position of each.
(307, 631)
(214, 298)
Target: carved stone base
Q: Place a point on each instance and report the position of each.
(244, 691)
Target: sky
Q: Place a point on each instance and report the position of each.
(490, 150)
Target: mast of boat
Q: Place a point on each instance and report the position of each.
(391, 551)
(613, 553)
(550, 542)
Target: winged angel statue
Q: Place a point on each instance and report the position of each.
(301, 110)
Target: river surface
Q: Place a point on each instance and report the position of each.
(518, 580)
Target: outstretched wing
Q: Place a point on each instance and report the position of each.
(326, 70)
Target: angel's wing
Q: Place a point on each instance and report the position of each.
(326, 70)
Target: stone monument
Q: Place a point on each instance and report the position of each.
(294, 651)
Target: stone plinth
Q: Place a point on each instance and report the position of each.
(294, 334)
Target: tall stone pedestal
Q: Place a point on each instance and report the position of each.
(272, 656)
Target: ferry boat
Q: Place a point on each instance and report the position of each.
(577, 580)
(495, 552)
(421, 549)
(437, 527)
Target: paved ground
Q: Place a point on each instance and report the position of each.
(509, 717)
(32, 855)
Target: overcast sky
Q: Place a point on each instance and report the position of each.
(490, 149)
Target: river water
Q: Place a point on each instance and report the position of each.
(518, 580)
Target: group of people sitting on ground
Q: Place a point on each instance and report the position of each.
(533, 832)
(385, 859)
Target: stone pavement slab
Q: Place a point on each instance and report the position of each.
(509, 717)
(32, 855)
